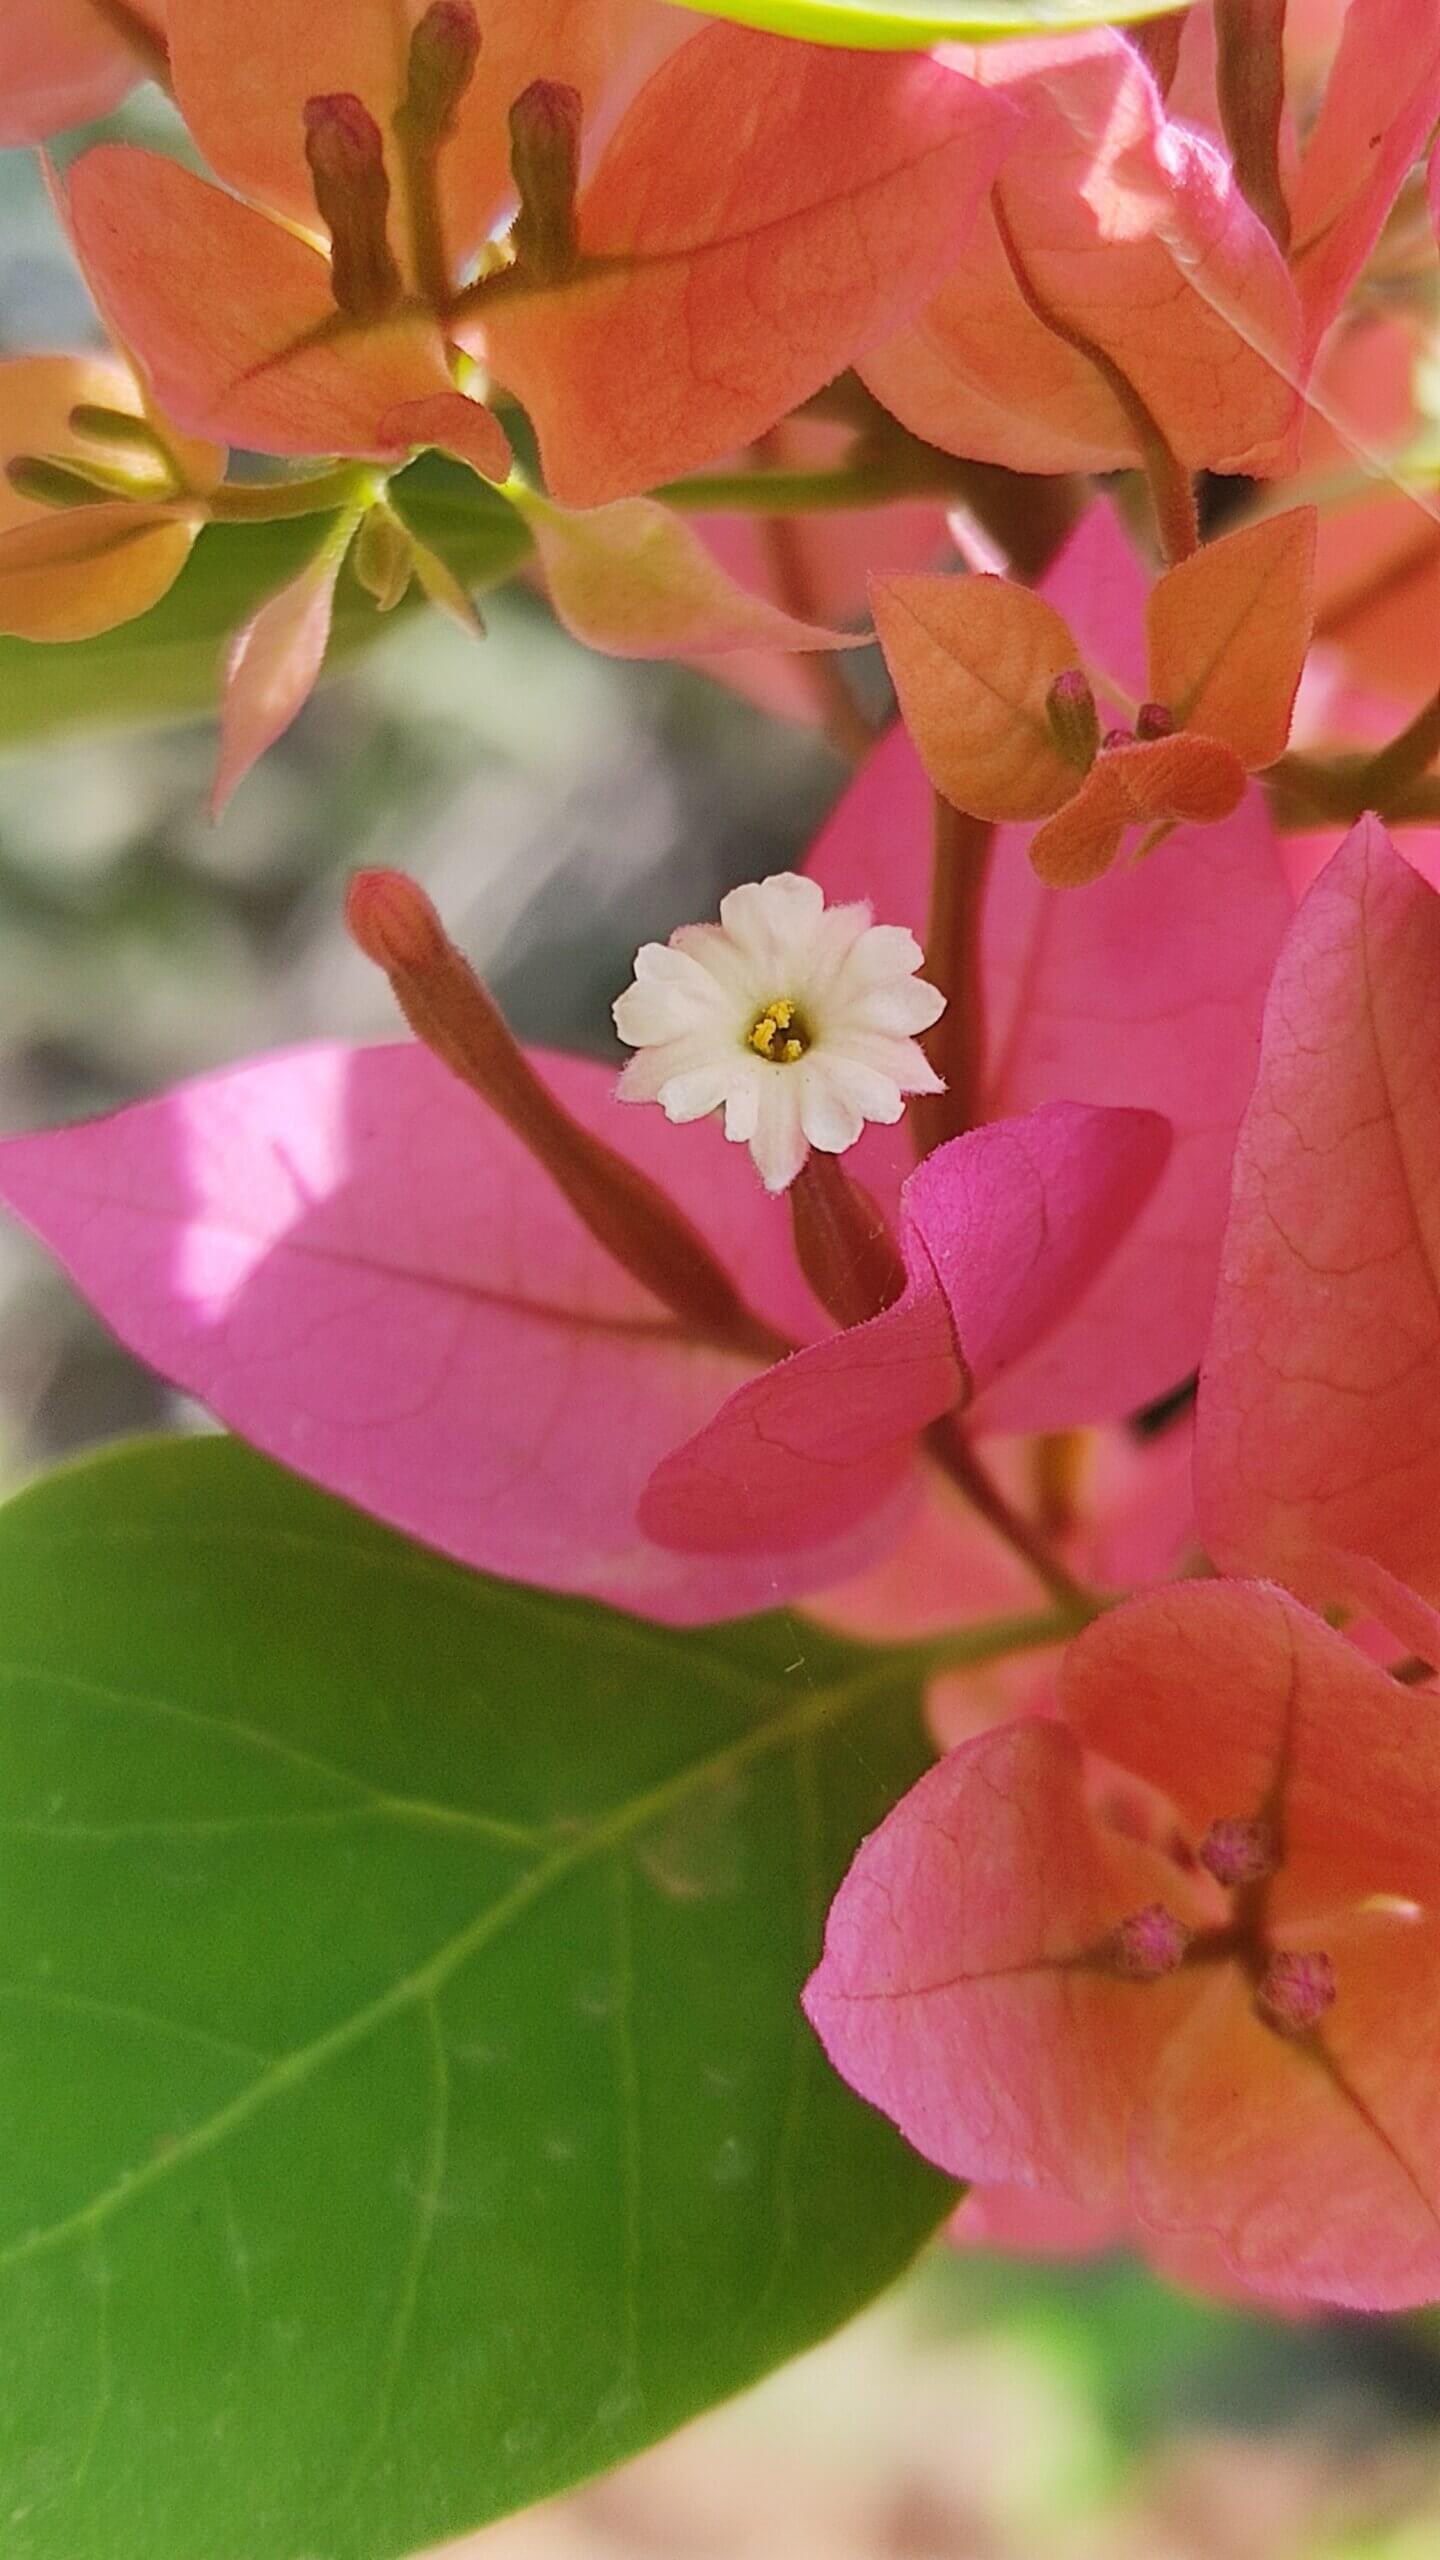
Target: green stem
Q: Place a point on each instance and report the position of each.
(995, 1639)
(788, 493)
(351, 485)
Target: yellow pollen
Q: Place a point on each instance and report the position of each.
(765, 1034)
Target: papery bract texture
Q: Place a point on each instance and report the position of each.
(1130, 233)
(273, 666)
(764, 212)
(63, 62)
(67, 576)
(635, 579)
(1380, 106)
(354, 1264)
(231, 316)
(1001, 1233)
(1320, 1395)
(974, 1985)
(1146, 989)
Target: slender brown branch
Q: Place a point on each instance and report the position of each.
(956, 1045)
(953, 1453)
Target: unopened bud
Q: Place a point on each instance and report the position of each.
(346, 153)
(1118, 738)
(120, 431)
(1150, 1943)
(383, 558)
(1239, 1852)
(393, 922)
(395, 925)
(1154, 720)
(1295, 1991)
(50, 484)
(442, 588)
(444, 50)
(1074, 720)
(545, 158)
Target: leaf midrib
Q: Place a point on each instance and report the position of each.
(823, 1707)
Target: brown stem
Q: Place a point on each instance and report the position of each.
(956, 1044)
(843, 1244)
(1250, 85)
(1405, 760)
(954, 1455)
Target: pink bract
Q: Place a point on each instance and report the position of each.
(975, 1988)
(1320, 1396)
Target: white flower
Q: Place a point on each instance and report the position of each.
(797, 1019)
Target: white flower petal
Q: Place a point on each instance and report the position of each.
(830, 947)
(902, 1062)
(830, 1117)
(742, 1102)
(695, 1092)
(694, 1003)
(874, 1094)
(772, 921)
(724, 963)
(778, 1144)
(900, 1004)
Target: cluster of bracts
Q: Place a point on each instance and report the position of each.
(1154, 1948)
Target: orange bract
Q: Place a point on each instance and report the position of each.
(975, 659)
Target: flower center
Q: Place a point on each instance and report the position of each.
(780, 1034)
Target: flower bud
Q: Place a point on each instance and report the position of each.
(545, 158)
(1154, 720)
(346, 154)
(383, 558)
(444, 50)
(120, 432)
(395, 925)
(1295, 1991)
(1239, 1852)
(1074, 720)
(390, 918)
(51, 484)
(1150, 1943)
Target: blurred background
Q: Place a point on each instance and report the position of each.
(561, 808)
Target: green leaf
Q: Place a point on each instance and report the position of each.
(166, 665)
(405, 2109)
(893, 26)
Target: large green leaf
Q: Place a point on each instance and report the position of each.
(166, 665)
(404, 2104)
(893, 26)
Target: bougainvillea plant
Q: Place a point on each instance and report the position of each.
(826, 1629)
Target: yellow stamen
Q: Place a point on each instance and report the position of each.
(781, 1016)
